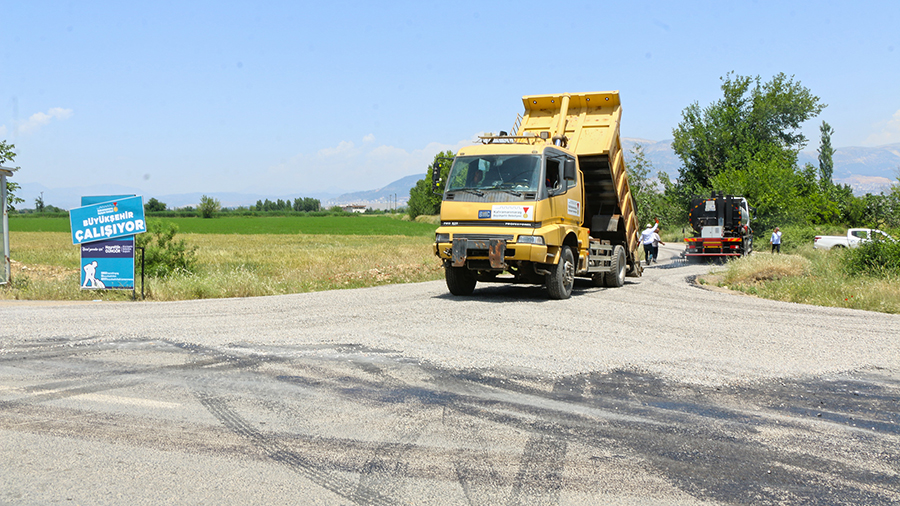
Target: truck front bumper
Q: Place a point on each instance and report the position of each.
(497, 252)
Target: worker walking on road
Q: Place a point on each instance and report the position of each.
(776, 241)
(656, 242)
(647, 240)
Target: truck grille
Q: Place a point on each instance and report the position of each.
(483, 237)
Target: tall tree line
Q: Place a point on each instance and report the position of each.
(747, 143)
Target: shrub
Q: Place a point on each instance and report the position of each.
(879, 258)
(162, 253)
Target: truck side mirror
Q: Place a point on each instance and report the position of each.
(569, 170)
(436, 176)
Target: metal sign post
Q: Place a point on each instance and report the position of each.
(6, 275)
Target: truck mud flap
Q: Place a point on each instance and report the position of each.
(496, 254)
(458, 253)
(496, 249)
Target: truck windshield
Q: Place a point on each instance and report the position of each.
(519, 173)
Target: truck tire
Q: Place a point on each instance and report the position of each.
(616, 277)
(562, 275)
(460, 281)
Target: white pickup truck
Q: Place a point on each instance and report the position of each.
(851, 240)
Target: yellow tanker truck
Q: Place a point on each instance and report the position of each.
(544, 204)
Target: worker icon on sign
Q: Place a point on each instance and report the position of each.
(90, 271)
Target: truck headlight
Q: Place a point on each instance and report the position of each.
(441, 237)
(531, 239)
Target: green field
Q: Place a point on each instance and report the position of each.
(252, 225)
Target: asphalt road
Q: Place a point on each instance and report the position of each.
(658, 392)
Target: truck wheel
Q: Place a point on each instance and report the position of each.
(460, 281)
(616, 277)
(562, 275)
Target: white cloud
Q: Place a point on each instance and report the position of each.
(369, 138)
(2, 130)
(344, 149)
(37, 120)
(889, 132)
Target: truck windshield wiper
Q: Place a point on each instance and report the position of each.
(513, 192)
(473, 191)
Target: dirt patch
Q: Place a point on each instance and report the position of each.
(712, 283)
(39, 272)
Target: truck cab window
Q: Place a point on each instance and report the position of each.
(570, 183)
(554, 175)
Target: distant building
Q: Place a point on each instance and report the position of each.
(354, 208)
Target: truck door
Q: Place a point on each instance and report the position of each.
(564, 204)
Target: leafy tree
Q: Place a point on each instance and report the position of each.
(208, 207)
(8, 155)
(746, 144)
(154, 205)
(638, 179)
(849, 207)
(163, 254)
(650, 203)
(893, 197)
(39, 204)
(306, 204)
(826, 152)
(424, 201)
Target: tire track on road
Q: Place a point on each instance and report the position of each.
(348, 489)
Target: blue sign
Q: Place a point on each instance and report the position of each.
(108, 264)
(107, 220)
(484, 214)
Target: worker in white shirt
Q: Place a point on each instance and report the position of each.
(656, 242)
(776, 241)
(647, 240)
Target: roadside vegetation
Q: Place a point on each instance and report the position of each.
(865, 278)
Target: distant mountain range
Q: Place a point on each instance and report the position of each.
(866, 170)
(395, 194)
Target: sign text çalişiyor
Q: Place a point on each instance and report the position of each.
(107, 220)
(127, 224)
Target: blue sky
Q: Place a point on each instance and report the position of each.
(292, 98)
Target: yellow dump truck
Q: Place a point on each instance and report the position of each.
(544, 204)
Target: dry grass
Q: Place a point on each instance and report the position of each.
(809, 277)
(47, 266)
(759, 268)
